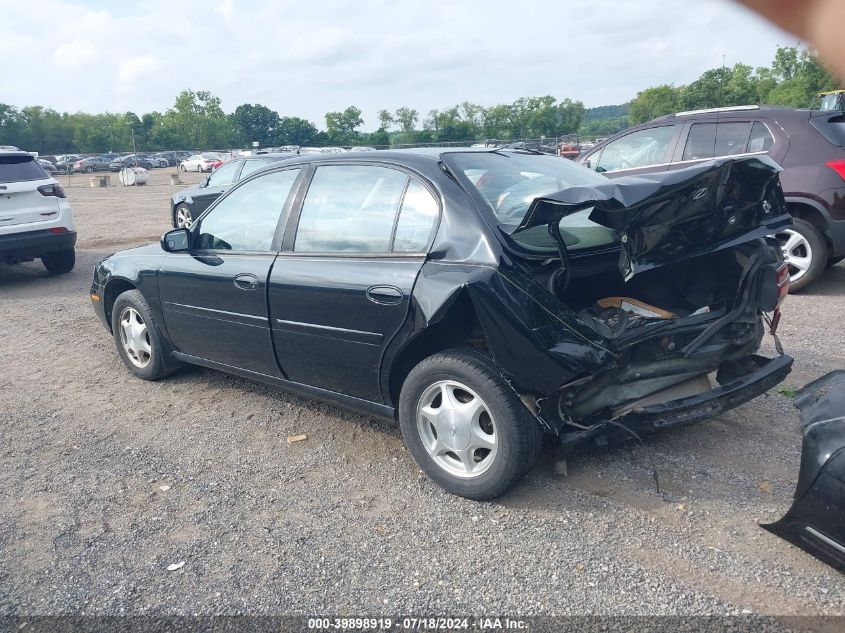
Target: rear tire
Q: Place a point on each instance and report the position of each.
(479, 417)
(183, 168)
(139, 342)
(89, 170)
(60, 262)
(803, 243)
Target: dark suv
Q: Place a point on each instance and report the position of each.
(808, 144)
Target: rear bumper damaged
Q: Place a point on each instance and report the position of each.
(650, 418)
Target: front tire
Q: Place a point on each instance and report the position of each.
(60, 262)
(89, 170)
(139, 342)
(465, 427)
(184, 217)
(804, 252)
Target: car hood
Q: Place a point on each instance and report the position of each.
(669, 216)
(149, 250)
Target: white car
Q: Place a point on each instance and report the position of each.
(36, 220)
(199, 162)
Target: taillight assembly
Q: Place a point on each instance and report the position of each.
(838, 166)
(52, 190)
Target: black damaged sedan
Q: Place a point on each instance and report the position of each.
(481, 298)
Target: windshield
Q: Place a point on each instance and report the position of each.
(510, 181)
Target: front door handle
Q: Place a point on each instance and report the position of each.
(246, 281)
(385, 295)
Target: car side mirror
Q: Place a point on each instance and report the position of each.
(176, 241)
(587, 164)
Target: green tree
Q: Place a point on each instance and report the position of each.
(256, 123)
(654, 102)
(341, 127)
(295, 131)
(385, 119)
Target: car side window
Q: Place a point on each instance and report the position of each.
(417, 218)
(246, 219)
(225, 174)
(350, 209)
(709, 140)
(251, 166)
(761, 139)
(637, 149)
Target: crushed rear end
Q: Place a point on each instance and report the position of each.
(614, 345)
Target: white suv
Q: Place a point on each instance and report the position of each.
(35, 217)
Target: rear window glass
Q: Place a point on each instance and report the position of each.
(510, 182)
(833, 129)
(16, 168)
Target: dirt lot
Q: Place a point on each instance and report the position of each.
(344, 522)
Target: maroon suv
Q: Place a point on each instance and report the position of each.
(808, 144)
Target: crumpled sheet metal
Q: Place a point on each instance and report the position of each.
(673, 215)
(816, 520)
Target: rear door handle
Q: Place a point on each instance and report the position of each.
(246, 281)
(385, 295)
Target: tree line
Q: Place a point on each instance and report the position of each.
(197, 121)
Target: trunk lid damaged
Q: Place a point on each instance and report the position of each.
(701, 234)
(671, 216)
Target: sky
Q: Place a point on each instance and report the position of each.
(308, 57)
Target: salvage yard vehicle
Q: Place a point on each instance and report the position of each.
(808, 144)
(189, 203)
(481, 298)
(199, 162)
(36, 220)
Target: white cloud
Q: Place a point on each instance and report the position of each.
(75, 54)
(307, 58)
(135, 68)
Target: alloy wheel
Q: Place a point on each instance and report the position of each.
(184, 219)
(135, 337)
(457, 429)
(797, 253)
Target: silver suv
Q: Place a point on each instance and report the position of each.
(36, 220)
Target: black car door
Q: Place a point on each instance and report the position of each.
(216, 185)
(341, 287)
(214, 297)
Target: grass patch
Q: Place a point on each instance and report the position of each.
(788, 390)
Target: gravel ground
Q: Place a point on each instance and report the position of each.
(106, 480)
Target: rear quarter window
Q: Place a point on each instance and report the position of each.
(833, 128)
(17, 168)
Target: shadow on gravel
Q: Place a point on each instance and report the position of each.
(830, 284)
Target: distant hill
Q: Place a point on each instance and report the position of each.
(604, 120)
(602, 113)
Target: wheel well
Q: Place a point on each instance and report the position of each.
(811, 215)
(460, 327)
(113, 290)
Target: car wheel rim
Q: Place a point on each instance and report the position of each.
(184, 219)
(457, 429)
(135, 338)
(797, 253)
